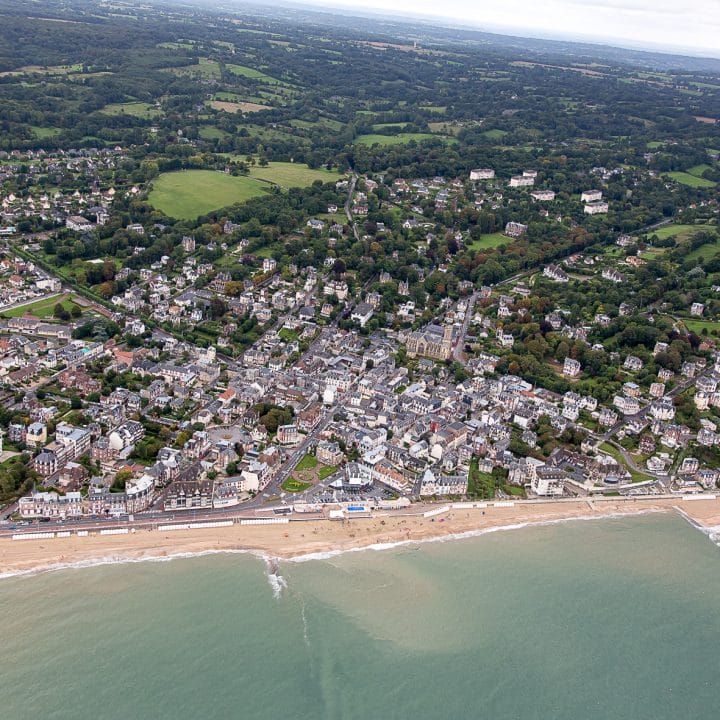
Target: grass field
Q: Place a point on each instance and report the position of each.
(327, 471)
(189, 193)
(679, 231)
(146, 111)
(698, 170)
(42, 309)
(704, 251)
(45, 132)
(295, 486)
(248, 72)
(495, 134)
(307, 463)
(288, 174)
(697, 326)
(212, 133)
(490, 241)
(399, 139)
(235, 107)
(685, 178)
(323, 122)
(393, 126)
(206, 69)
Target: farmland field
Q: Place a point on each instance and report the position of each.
(234, 107)
(188, 194)
(680, 232)
(399, 139)
(146, 111)
(685, 178)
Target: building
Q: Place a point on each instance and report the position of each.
(543, 195)
(571, 368)
(78, 223)
(125, 436)
(329, 453)
(482, 174)
(288, 435)
(433, 341)
(515, 229)
(189, 495)
(591, 196)
(596, 208)
(362, 313)
(556, 273)
(51, 504)
(548, 481)
(521, 181)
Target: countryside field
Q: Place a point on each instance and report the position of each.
(234, 107)
(693, 181)
(143, 110)
(679, 231)
(288, 174)
(399, 139)
(188, 194)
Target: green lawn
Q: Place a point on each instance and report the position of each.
(704, 251)
(143, 110)
(212, 133)
(42, 309)
(288, 174)
(295, 486)
(399, 139)
(326, 472)
(248, 72)
(691, 180)
(206, 69)
(393, 126)
(679, 232)
(697, 326)
(187, 194)
(698, 170)
(495, 134)
(45, 132)
(288, 335)
(615, 453)
(307, 463)
(487, 242)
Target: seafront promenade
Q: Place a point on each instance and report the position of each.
(50, 546)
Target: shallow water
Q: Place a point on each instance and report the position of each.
(586, 620)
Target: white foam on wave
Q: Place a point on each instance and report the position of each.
(119, 559)
(276, 580)
(379, 547)
(712, 532)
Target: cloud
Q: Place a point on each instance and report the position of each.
(690, 24)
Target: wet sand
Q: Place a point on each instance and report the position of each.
(321, 536)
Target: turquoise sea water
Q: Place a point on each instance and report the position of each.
(593, 620)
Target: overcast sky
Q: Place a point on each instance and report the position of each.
(690, 24)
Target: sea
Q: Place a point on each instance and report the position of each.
(583, 620)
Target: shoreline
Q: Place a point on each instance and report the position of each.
(323, 538)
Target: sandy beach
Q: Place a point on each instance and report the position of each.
(314, 537)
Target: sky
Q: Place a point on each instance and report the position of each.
(692, 25)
